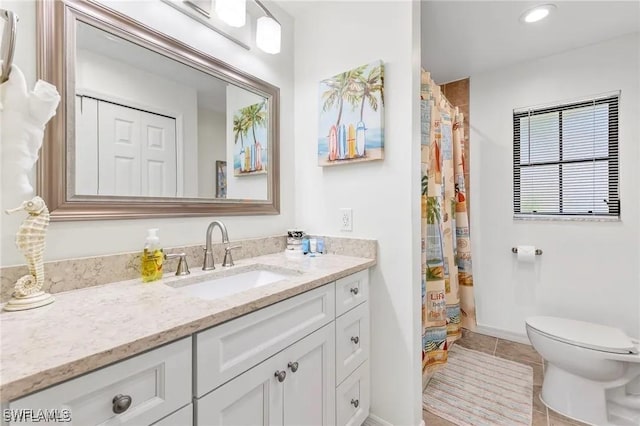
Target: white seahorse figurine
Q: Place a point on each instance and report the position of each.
(30, 239)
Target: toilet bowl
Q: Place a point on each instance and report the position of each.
(592, 372)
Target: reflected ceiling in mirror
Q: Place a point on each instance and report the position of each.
(150, 126)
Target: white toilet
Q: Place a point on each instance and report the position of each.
(592, 372)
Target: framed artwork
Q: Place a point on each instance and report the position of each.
(221, 179)
(250, 140)
(351, 122)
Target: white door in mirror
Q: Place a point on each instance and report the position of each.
(136, 152)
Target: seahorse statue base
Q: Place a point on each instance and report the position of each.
(36, 300)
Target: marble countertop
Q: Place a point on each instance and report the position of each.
(90, 328)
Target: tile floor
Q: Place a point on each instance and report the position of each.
(517, 352)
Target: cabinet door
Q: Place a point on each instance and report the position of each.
(309, 391)
(252, 399)
(182, 417)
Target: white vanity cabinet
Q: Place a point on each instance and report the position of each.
(301, 361)
(294, 387)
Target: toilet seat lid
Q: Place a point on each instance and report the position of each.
(584, 334)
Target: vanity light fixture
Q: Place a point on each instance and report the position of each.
(232, 12)
(268, 32)
(268, 28)
(537, 13)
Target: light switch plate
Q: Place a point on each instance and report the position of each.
(346, 219)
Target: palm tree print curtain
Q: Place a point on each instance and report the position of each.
(447, 284)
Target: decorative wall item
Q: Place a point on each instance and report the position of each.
(221, 179)
(351, 122)
(250, 140)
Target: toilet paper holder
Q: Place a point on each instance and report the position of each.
(515, 250)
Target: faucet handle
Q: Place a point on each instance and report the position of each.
(228, 259)
(183, 267)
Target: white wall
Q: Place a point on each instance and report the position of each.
(589, 271)
(332, 37)
(70, 239)
(212, 135)
(116, 81)
(250, 187)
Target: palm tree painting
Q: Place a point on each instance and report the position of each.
(250, 140)
(351, 121)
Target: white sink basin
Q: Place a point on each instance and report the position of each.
(216, 288)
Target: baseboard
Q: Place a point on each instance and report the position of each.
(502, 334)
(374, 420)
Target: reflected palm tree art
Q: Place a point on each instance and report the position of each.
(250, 124)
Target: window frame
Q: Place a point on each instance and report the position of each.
(613, 102)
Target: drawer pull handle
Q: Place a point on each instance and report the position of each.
(355, 339)
(355, 403)
(293, 366)
(121, 403)
(281, 375)
(354, 290)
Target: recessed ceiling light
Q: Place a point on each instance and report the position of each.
(537, 13)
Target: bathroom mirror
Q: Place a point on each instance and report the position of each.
(148, 126)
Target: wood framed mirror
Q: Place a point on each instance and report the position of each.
(146, 121)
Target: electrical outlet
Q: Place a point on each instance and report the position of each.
(346, 219)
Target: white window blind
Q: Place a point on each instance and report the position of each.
(565, 159)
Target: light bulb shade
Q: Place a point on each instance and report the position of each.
(268, 35)
(233, 12)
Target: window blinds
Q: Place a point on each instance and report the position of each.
(565, 159)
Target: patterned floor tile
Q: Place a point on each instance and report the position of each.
(517, 352)
(477, 342)
(557, 419)
(537, 403)
(433, 420)
(539, 418)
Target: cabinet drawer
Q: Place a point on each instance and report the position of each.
(352, 340)
(182, 417)
(351, 291)
(352, 398)
(158, 382)
(225, 351)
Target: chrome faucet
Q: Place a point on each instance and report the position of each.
(208, 251)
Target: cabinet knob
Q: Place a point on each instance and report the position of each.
(121, 403)
(355, 339)
(355, 403)
(293, 366)
(280, 375)
(354, 290)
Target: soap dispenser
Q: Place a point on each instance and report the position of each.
(152, 257)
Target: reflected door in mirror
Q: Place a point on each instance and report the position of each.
(124, 151)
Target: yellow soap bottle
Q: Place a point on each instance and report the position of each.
(152, 257)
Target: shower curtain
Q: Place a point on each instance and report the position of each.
(447, 280)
